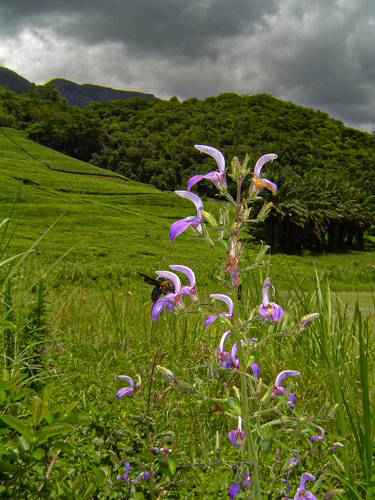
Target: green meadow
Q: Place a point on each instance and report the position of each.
(76, 314)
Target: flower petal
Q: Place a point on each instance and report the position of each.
(192, 197)
(234, 490)
(211, 176)
(319, 438)
(215, 153)
(158, 306)
(173, 277)
(209, 319)
(181, 225)
(225, 299)
(262, 160)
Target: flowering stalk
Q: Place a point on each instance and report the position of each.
(253, 459)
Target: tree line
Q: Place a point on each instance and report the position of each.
(324, 169)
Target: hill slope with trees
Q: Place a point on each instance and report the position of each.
(152, 141)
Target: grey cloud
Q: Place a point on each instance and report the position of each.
(319, 54)
(171, 27)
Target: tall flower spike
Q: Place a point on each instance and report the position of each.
(179, 226)
(211, 318)
(268, 309)
(217, 177)
(125, 390)
(302, 493)
(171, 299)
(259, 181)
(187, 290)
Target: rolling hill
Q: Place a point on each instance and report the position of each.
(113, 225)
(75, 93)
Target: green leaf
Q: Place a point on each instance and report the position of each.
(53, 430)
(37, 406)
(23, 444)
(19, 426)
(6, 324)
(4, 375)
(2, 395)
(77, 483)
(13, 381)
(47, 391)
(172, 464)
(63, 489)
(9, 468)
(99, 475)
(39, 453)
(70, 407)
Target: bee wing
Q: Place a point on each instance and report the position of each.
(150, 281)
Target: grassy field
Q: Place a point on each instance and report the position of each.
(88, 321)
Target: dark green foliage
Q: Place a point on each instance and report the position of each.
(325, 169)
(316, 213)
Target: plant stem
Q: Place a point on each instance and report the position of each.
(253, 459)
(150, 380)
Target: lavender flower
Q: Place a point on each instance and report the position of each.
(302, 493)
(306, 319)
(319, 438)
(223, 357)
(125, 476)
(294, 460)
(281, 390)
(236, 436)
(235, 362)
(187, 290)
(179, 226)
(125, 390)
(269, 309)
(236, 488)
(258, 181)
(287, 487)
(171, 299)
(211, 318)
(217, 177)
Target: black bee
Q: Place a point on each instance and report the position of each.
(162, 286)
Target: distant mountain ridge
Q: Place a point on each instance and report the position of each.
(75, 93)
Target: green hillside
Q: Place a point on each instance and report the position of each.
(104, 218)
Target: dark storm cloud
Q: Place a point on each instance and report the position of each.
(170, 27)
(316, 53)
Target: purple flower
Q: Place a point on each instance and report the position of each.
(179, 226)
(287, 487)
(125, 476)
(211, 318)
(281, 390)
(234, 490)
(125, 390)
(223, 357)
(236, 436)
(171, 299)
(217, 177)
(319, 438)
(260, 182)
(187, 290)
(269, 309)
(294, 461)
(302, 493)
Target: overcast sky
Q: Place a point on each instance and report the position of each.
(317, 53)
